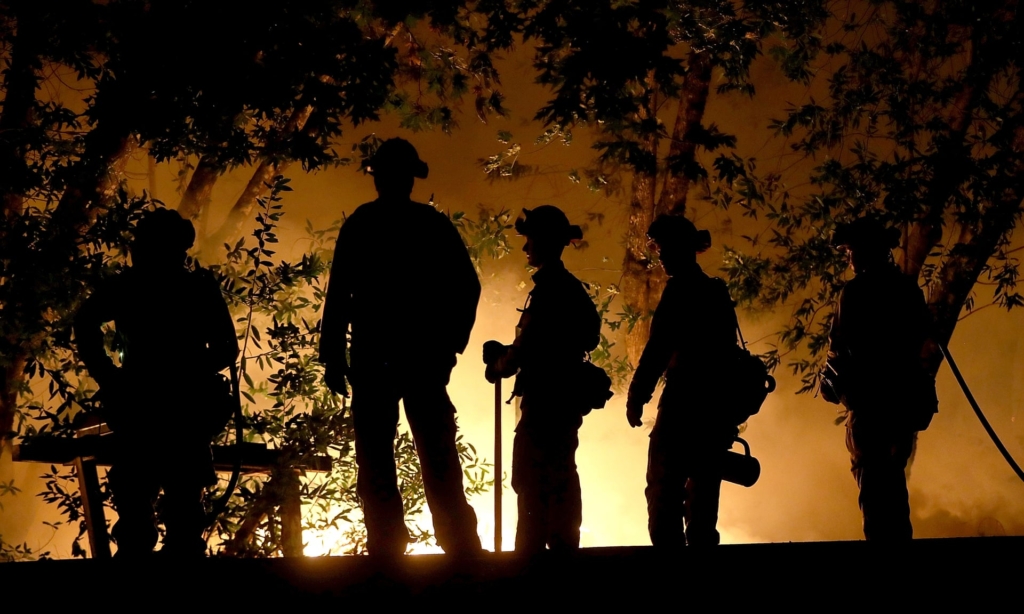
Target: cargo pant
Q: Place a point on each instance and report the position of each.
(684, 479)
(545, 480)
(879, 457)
(431, 415)
(142, 468)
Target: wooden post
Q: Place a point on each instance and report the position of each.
(497, 466)
(92, 501)
(291, 514)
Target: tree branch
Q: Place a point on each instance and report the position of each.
(200, 188)
(693, 99)
(257, 186)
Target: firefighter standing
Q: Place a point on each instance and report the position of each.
(559, 325)
(876, 341)
(693, 336)
(167, 399)
(403, 281)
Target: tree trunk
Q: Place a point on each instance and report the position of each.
(949, 163)
(961, 270)
(977, 242)
(642, 285)
(257, 511)
(242, 210)
(257, 186)
(19, 87)
(151, 176)
(638, 278)
(92, 182)
(95, 178)
(682, 153)
(200, 188)
(13, 376)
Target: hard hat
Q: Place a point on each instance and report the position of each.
(866, 232)
(548, 221)
(164, 229)
(677, 230)
(397, 157)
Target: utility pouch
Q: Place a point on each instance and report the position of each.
(923, 402)
(218, 404)
(829, 384)
(594, 386)
(750, 383)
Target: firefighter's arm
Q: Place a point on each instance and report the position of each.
(221, 339)
(837, 348)
(89, 320)
(335, 321)
(501, 360)
(504, 360)
(655, 357)
(466, 289)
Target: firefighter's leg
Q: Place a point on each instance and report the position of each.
(878, 464)
(431, 418)
(134, 488)
(704, 490)
(184, 517)
(665, 491)
(186, 471)
(894, 513)
(562, 490)
(527, 482)
(375, 418)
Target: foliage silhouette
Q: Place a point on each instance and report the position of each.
(922, 127)
(277, 305)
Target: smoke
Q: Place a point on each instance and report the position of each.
(959, 484)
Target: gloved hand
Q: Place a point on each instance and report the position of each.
(493, 350)
(334, 377)
(634, 412)
(491, 374)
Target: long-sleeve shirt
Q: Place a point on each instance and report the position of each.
(693, 336)
(176, 333)
(403, 281)
(878, 331)
(559, 325)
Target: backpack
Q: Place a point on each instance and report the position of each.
(750, 383)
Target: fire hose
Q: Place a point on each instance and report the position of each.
(977, 410)
(221, 503)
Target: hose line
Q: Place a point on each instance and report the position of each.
(221, 503)
(977, 410)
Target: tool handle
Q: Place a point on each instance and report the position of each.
(497, 466)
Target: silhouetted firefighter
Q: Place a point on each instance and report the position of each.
(875, 370)
(559, 325)
(403, 281)
(166, 400)
(693, 344)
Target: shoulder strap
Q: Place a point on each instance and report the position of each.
(732, 306)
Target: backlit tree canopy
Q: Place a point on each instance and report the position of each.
(914, 116)
(922, 126)
(258, 88)
(216, 86)
(621, 68)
